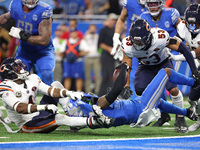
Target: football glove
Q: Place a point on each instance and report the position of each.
(116, 43)
(126, 92)
(196, 76)
(19, 34)
(75, 95)
(51, 108)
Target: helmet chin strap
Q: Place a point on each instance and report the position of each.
(155, 14)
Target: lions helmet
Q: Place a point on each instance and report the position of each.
(192, 18)
(154, 4)
(140, 34)
(30, 3)
(13, 69)
(142, 2)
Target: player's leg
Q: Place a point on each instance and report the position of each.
(46, 64)
(132, 76)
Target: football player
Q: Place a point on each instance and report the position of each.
(189, 31)
(18, 92)
(33, 27)
(150, 47)
(141, 110)
(166, 19)
(130, 12)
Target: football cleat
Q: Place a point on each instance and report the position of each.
(191, 113)
(99, 120)
(180, 125)
(163, 119)
(195, 126)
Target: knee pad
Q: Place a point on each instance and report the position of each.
(47, 76)
(139, 91)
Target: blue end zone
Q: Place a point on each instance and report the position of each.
(182, 143)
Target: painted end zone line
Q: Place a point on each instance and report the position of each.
(171, 143)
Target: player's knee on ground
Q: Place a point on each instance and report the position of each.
(47, 76)
(103, 102)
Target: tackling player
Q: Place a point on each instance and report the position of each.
(18, 92)
(166, 19)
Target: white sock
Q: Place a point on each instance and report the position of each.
(178, 100)
(70, 121)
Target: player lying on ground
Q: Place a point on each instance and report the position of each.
(18, 91)
(141, 110)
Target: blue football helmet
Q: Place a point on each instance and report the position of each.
(192, 18)
(140, 34)
(155, 4)
(30, 3)
(13, 69)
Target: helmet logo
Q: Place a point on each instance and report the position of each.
(148, 27)
(2, 68)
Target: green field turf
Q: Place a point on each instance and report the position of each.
(63, 133)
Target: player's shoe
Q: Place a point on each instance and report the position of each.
(163, 119)
(191, 113)
(180, 125)
(100, 120)
(195, 126)
(7, 120)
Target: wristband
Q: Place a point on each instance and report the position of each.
(41, 107)
(61, 92)
(15, 106)
(52, 90)
(116, 35)
(29, 108)
(193, 54)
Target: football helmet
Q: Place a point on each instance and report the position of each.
(140, 34)
(30, 3)
(142, 2)
(13, 69)
(153, 4)
(192, 18)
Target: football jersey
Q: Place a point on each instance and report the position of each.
(134, 9)
(186, 35)
(12, 92)
(167, 21)
(29, 22)
(156, 53)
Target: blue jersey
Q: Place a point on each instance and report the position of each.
(167, 21)
(29, 22)
(134, 9)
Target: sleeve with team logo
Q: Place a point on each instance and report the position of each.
(175, 15)
(42, 87)
(126, 47)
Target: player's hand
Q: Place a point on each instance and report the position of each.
(196, 76)
(126, 92)
(119, 55)
(75, 95)
(19, 34)
(51, 108)
(116, 44)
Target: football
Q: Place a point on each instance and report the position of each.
(116, 73)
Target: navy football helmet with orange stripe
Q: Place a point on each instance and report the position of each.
(13, 69)
(140, 34)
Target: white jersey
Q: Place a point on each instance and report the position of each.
(156, 53)
(185, 34)
(12, 92)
